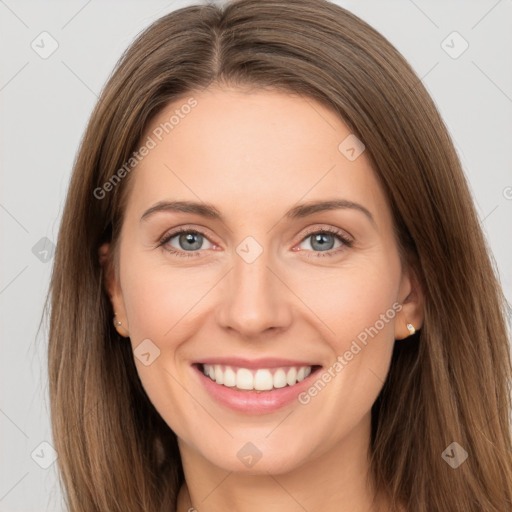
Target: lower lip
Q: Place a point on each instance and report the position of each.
(253, 402)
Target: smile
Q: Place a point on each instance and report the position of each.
(260, 389)
(261, 379)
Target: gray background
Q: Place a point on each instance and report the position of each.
(45, 104)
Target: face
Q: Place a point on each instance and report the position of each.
(260, 289)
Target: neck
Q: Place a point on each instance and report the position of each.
(337, 480)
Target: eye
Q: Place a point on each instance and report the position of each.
(187, 242)
(184, 242)
(322, 241)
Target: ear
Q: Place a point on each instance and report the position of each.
(412, 299)
(113, 288)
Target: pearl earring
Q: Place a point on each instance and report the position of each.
(117, 323)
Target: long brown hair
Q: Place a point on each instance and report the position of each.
(447, 383)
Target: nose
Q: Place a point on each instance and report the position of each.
(254, 300)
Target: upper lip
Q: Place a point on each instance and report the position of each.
(265, 362)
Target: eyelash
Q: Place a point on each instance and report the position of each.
(319, 254)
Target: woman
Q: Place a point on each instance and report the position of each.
(333, 338)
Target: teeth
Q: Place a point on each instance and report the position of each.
(291, 376)
(262, 379)
(219, 375)
(244, 379)
(229, 377)
(279, 380)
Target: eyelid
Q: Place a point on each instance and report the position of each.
(330, 229)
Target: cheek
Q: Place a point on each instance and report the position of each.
(359, 307)
(160, 307)
(158, 297)
(356, 301)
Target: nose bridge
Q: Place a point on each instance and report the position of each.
(253, 298)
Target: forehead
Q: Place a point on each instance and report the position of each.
(252, 151)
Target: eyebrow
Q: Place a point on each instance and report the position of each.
(209, 211)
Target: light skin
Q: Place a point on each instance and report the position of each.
(254, 155)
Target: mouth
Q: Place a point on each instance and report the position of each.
(256, 380)
(255, 386)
